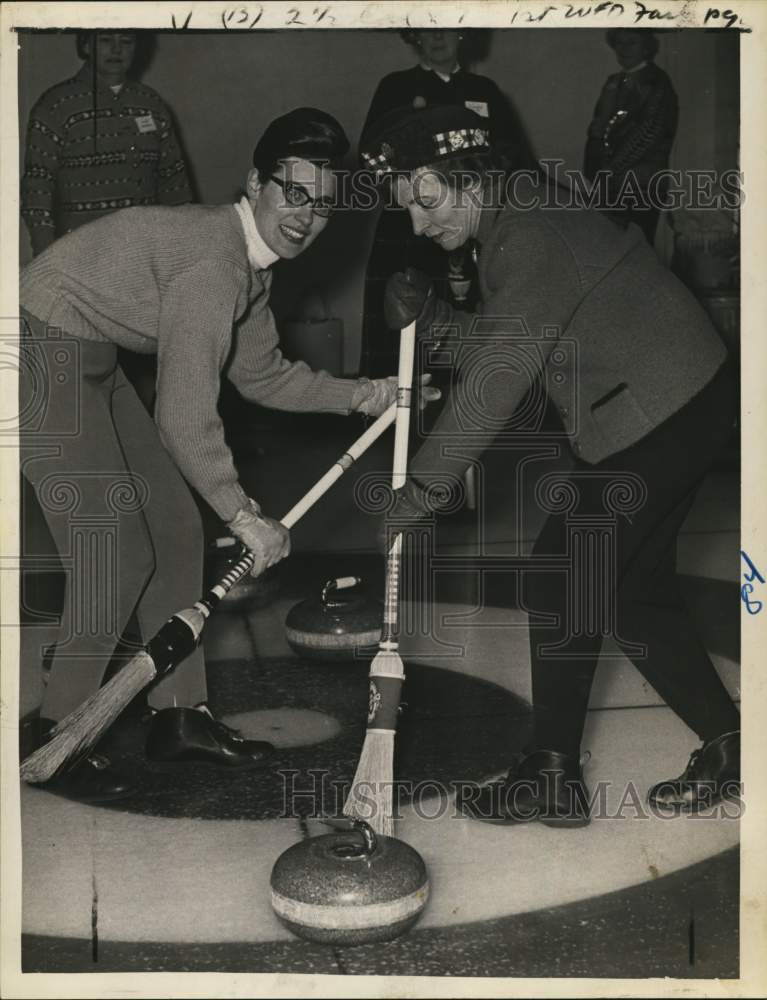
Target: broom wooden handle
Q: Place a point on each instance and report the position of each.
(404, 394)
(294, 515)
(399, 473)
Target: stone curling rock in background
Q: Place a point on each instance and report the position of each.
(251, 592)
(350, 887)
(341, 624)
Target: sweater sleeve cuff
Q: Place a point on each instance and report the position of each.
(227, 500)
(337, 395)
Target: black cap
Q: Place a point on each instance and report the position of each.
(406, 139)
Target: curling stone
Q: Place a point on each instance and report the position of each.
(251, 592)
(349, 887)
(342, 624)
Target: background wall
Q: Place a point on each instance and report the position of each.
(225, 88)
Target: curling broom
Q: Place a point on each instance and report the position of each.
(83, 727)
(371, 790)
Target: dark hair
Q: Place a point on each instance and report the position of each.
(649, 39)
(306, 133)
(473, 45)
(145, 47)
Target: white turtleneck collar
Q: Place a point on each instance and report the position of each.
(260, 255)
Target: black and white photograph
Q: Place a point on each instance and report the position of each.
(383, 565)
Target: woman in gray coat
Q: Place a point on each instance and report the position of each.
(576, 306)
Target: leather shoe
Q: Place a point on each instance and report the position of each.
(545, 785)
(91, 779)
(712, 774)
(188, 735)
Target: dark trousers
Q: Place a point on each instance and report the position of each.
(622, 581)
(125, 525)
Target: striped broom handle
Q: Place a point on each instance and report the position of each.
(389, 640)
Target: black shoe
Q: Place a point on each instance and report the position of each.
(91, 779)
(712, 774)
(187, 735)
(546, 785)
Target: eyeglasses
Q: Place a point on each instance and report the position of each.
(297, 196)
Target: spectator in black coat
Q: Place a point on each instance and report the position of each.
(633, 128)
(439, 78)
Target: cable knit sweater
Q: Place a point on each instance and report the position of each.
(178, 282)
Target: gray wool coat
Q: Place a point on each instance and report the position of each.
(619, 344)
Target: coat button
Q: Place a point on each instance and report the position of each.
(563, 410)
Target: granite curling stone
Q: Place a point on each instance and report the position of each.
(342, 624)
(350, 887)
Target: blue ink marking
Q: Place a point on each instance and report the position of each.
(752, 606)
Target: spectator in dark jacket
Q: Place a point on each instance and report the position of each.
(439, 77)
(633, 128)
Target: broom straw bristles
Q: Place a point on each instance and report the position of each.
(90, 720)
(370, 798)
(371, 795)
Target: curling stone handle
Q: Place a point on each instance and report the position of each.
(225, 542)
(369, 837)
(340, 583)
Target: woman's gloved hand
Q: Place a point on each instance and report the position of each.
(410, 297)
(267, 539)
(374, 396)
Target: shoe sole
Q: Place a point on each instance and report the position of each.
(170, 766)
(86, 801)
(569, 824)
(688, 809)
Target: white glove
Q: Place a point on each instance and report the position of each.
(374, 396)
(267, 539)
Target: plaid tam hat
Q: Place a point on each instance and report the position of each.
(404, 140)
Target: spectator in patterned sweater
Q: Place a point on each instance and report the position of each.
(191, 284)
(99, 142)
(632, 131)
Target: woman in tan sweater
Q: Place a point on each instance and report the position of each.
(190, 283)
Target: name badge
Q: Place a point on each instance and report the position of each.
(478, 107)
(145, 123)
